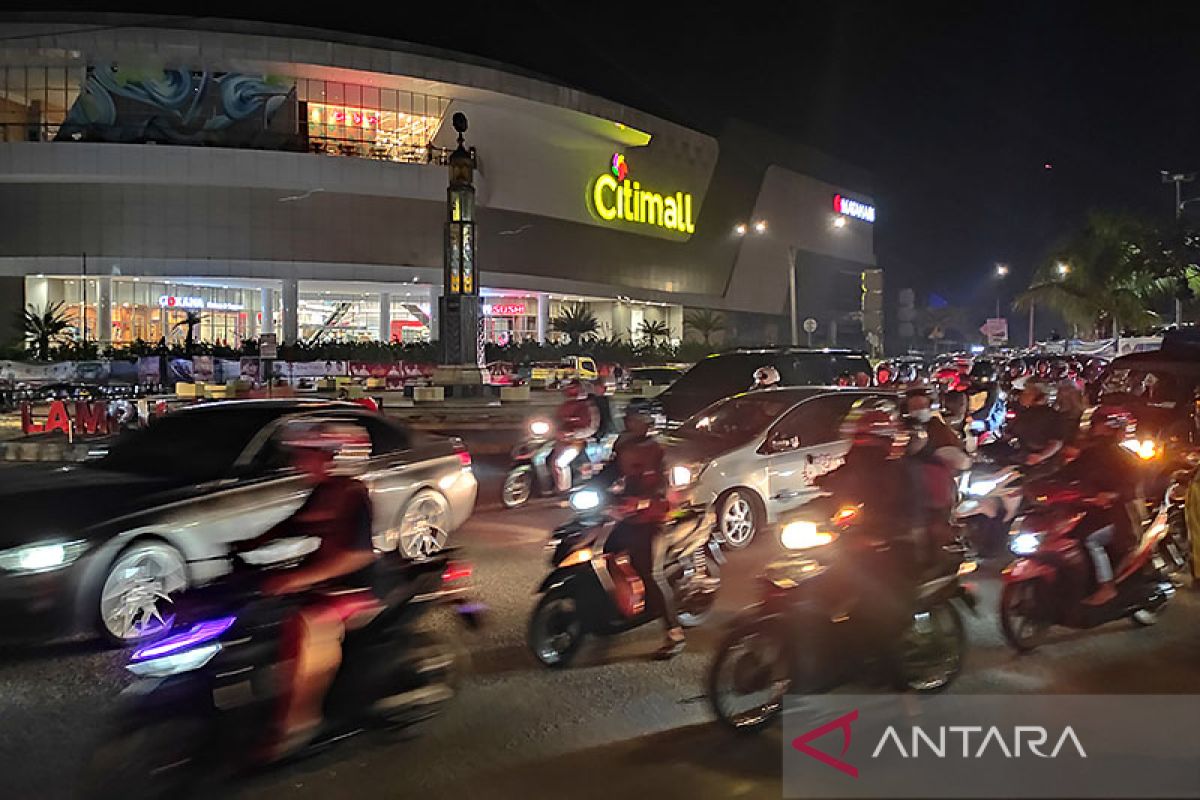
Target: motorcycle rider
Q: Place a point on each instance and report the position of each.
(577, 421)
(881, 577)
(338, 511)
(938, 457)
(1108, 470)
(640, 460)
(766, 378)
(1037, 427)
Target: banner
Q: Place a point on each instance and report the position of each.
(202, 369)
(149, 370)
(291, 370)
(20, 372)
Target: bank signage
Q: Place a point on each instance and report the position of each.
(616, 197)
(196, 303)
(853, 208)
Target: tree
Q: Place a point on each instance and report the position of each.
(653, 330)
(44, 327)
(191, 320)
(1111, 271)
(576, 321)
(705, 322)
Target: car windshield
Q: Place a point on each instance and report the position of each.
(192, 444)
(730, 373)
(738, 419)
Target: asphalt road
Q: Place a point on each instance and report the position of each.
(617, 724)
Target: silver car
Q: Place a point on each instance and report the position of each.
(105, 544)
(754, 456)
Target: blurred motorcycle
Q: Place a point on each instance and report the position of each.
(531, 472)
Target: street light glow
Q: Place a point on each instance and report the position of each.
(839, 222)
(1001, 270)
(760, 226)
(1063, 268)
(740, 229)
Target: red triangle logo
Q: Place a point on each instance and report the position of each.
(842, 723)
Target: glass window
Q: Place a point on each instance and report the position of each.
(738, 419)
(814, 422)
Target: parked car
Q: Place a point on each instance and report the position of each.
(106, 543)
(724, 374)
(754, 456)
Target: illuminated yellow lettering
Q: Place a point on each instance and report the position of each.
(687, 214)
(629, 207)
(603, 209)
(670, 213)
(652, 208)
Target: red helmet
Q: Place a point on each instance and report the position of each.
(873, 423)
(574, 390)
(1109, 420)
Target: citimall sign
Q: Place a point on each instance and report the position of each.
(617, 198)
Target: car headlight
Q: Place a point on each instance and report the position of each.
(683, 475)
(1025, 544)
(41, 557)
(802, 534)
(982, 487)
(585, 500)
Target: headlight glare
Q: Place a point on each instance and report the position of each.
(539, 427)
(1024, 544)
(585, 500)
(802, 534)
(41, 557)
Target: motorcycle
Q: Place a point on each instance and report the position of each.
(205, 698)
(1053, 573)
(990, 498)
(586, 591)
(809, 632)
(532, 473)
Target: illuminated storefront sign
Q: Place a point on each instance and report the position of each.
(197, 303)
(853, 208)
(615, 197)
(505, 310)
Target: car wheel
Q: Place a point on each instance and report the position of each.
(424, 525)
(739, 514)
(136, 596)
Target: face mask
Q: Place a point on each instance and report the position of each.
(922, 415)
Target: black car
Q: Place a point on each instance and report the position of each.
(103, 545)
(725, 374)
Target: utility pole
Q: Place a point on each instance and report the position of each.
(1031, 324)
(83, 297)
(1178, 178)
(792, 295)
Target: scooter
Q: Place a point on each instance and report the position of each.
(531, 472)
(587, 592)
(205, 698)
(807, 631)
(1053, 573)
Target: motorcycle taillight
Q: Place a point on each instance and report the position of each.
(457, 571)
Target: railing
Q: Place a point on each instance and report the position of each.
(323, 145)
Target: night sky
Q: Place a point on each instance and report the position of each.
(956, 108)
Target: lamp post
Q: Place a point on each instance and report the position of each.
(760, 228)
(458, 317)
(1178, 178)
(1001, 274)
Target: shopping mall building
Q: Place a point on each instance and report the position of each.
(286, 179)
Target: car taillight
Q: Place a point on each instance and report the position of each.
(456, 571)
(464, 458)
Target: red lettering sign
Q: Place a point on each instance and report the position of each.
(91, 418)
(57, 418)
(28, 426)
(507, 309)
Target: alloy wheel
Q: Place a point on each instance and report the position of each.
(423, 527)
(737, 520)
(137, 593)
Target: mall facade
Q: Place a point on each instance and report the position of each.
(284, 179)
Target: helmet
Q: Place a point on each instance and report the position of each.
(574, 389)
(766, 376)
(983, 371)
(1093, 370)
(1043, 368)
(874, 422)
(1109, 421)
(884, 374)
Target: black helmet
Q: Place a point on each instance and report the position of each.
(982, 371)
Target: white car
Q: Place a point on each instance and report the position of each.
(754, 456)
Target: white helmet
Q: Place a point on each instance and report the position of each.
(766, 376)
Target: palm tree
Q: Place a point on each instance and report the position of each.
(576, 321)
(1108, 271)
(705, 322)
(191, 320)
(653, 329)
(44, 327)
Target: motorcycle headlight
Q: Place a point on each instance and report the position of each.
(585, 500)
(802, 535)
(41, 557)
(539, 427)
(581, 556)
(982, 487)
(1145, 449)
(1025, 544)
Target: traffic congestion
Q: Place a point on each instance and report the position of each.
(305, 587)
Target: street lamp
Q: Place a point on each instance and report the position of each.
(1178, 178)
(1063, 269)
(760, 228)
(1001, 274)
(839, 221)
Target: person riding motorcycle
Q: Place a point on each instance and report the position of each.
(1108, 470)
(766, 378)
(337, 575)
(640, 461)
(1037, 427)
(938, 457)
(577, 421)
(880, 577)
